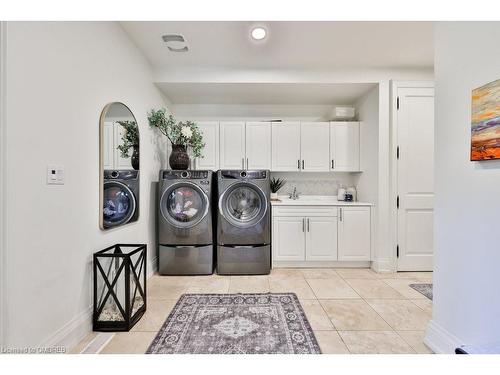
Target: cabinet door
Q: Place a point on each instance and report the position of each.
(344, 146)
(321, 238)
(288, 238)
(258, 145)
(285, 146)
(120, 163)
(210, 153)
(232, 145)
(315, 146)
(108, 152)
(354, 233)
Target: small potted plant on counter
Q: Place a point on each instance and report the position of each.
(276, 184)
(181, 134)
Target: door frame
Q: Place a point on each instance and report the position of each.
(393, 161)
(3, 200)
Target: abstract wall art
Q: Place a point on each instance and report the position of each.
(485, 127)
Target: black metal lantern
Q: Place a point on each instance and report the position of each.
(119, 287)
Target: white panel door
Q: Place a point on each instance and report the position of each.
(321, 238)
(120, 163)
(315, 146)
(354, 234)
(108, 153)
(232, 145)
(344, 146)
(415, 171)
(285, 146)
(210, 153)
(258, 145)
(288, 241)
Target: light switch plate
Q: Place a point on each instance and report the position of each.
(55, 175)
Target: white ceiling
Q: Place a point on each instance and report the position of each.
(264, 93)
(289, 45)
(225, 49)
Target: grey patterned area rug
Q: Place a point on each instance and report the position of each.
(425, 289)
(268, 323)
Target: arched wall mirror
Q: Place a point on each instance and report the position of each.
(119, 167)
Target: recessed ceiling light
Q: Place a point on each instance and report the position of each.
(258, 33)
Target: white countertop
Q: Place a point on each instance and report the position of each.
(315, 200)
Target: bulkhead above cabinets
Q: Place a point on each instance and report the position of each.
(287, 146)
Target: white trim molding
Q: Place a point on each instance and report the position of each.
(72, 332)
(3, 215)
(440, 340)
(384, 265)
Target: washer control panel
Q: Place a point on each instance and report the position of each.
(189, 174)
(243, 175)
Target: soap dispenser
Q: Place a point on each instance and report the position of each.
(341, 193)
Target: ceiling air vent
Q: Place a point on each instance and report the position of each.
(175, 42)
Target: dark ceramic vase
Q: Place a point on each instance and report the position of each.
(179, 158)
(135, 158)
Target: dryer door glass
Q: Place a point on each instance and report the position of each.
(118, 204)
(184, 205)
(244, 205)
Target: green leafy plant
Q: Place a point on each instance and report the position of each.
(179, 133)
(130, 137)
(276, 184)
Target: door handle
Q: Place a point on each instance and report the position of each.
(303, 225)
(302, 164)
(340, 214)
(308, 224)
(333, 164)
(298, 164)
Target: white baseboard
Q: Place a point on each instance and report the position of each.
(72, 332)
(320, 264)
(440, 340)
(75, 330)
(383, 265)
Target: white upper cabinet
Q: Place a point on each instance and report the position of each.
(232, 145)
(315, 146)
(344, 146)
(258, 145)
(108, 146)
(285, 146)
(210, 153)
(354, 234)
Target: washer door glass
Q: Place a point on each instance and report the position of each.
(243, 204)
(118, 204)
(184, 205)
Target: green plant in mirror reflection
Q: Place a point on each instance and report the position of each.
(130, 137)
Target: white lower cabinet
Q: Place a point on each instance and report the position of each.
(354, 233)
(321, 238)
(288, 238)
(320, 234)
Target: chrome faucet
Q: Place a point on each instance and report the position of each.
(294, 195)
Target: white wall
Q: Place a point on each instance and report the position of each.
(60, 76)
(467, 253)
(367, 108)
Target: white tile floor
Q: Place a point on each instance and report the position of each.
(350, 310)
